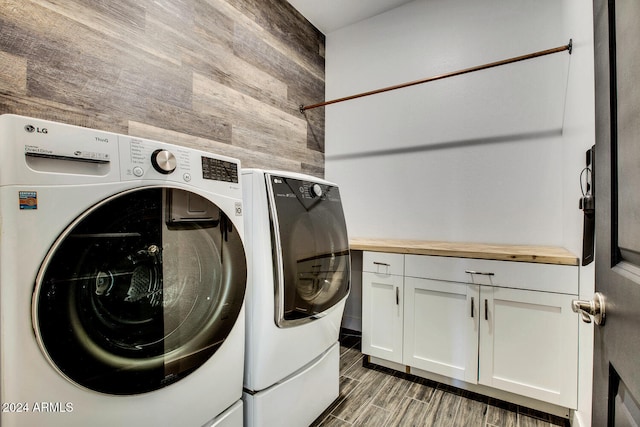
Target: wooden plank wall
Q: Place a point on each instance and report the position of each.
(226, 76)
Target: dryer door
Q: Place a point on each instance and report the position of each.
(312, 260)
(140, 290)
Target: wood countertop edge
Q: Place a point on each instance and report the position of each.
(518, 253)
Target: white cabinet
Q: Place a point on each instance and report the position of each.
(529, 344)
(505, 325)
(382, 308)
(441, 327)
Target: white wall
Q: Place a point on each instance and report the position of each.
(492, 156)
(477, 157)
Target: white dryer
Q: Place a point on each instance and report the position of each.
(122, 280)
(299, 278)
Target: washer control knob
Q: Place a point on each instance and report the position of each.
(316, 190)
(163, 161)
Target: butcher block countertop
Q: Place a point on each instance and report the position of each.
(522, 253)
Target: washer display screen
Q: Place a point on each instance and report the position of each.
(140, 291)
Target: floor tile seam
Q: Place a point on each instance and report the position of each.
(350, 370)
(354, 347)
(359, 384)
(356, 363)
(458, 404)
(384, 408)
(368, 401)
(434, 403)
(390, 408)
(348, 347)
(347, 372)
(417, 400)
(427, 399)
(459, 407)
(352, 352)
(375, 406)
(368, 380)
(377, 389)
(402, 408)
(346, 368)
(352, 379)
(341, 419)
(321, 422)
(336, 403)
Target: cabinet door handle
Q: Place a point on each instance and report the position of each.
(486, 309)
(482, 273)
(397, 296)
(381, 263)
(472, 307)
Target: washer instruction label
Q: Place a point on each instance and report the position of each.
(28, 199)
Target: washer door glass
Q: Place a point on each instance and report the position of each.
(312, 255)
(140, 290)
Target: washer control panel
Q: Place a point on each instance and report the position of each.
(146, 159)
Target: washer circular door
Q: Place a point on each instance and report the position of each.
(140, 290)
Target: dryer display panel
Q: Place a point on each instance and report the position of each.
(140, 290)
(312, 260)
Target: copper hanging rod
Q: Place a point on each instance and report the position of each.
(568, 47)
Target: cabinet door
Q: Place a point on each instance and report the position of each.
(529, 344)
(382, 316)
(441, 327)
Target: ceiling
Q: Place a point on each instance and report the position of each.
(331, 15)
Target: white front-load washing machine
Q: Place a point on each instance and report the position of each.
(299, 279)
(122, 280)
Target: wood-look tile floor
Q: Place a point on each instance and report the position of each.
(374, 396)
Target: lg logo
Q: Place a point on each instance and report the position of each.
(31, 129)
